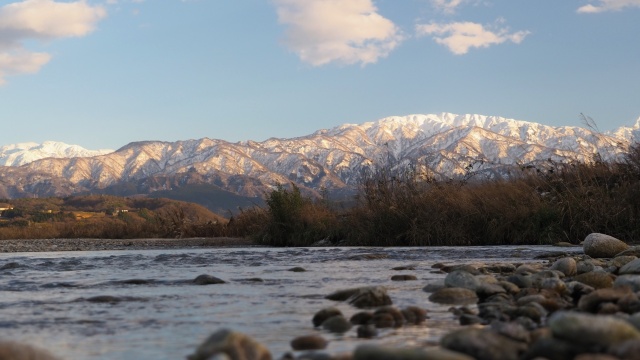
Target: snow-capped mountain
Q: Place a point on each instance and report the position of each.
(24, 153)
(446, 144)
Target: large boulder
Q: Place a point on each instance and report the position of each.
(236, 346)
(599, 245)
(483, 344)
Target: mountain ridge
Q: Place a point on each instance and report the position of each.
(446, 144)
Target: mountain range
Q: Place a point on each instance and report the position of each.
(444, 144)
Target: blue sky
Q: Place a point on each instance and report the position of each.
(101, 74)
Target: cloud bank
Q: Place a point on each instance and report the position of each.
(337, 31)
(608, 5)
(41, 20)
(459, 37)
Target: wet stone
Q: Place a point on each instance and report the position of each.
(232, 344)
(207, 280)
(297, 269)
(336, 324)
(454, 296)
(309, 342)
(376, 352)
(325, 314)
(414, 315)
(461, 279)
(566, 265)
(367, 331)
(632, 281)
(404, 268)
(403, 278)
(361, 318)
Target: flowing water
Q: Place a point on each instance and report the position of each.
(158, 313)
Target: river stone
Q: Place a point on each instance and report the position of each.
(376, 352)
(628, 350)
(454, 296)
(585, 266)
(207, 280)
(434, 286)
(566, 265)
(336, 324)
(587, 330)
(463, 267)
(367, 331)
(414, 315)
(236, 345)
(309, 342)
(396, 315)
(603, 246)
(324, 314)
(364, 297)
(591, 302)
(632, 281)
(595, 279)
(631, 251)
(483, 344)
(552, 349)
(297, 269)
(403, 278)
(10, 350)
(461, 279)
(361, 318)
(632, 267)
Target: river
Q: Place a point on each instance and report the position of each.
(158, 313)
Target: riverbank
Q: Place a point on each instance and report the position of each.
(48, 245)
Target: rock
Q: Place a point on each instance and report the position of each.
(512, 330)
(403, 277)
(10, 350)
(376, 352)
(309, 342)
(434, 286)
(461, 279)
(297, 269)
(397, 319)
(464, 267)
(414, 315)
(367, 331)
(632, 267)
(336, 324)
(603, 246)
(402, 268)
(635, 320)
(552, 349)
(595, 279)
(454, 296)
(585, 266)
(566, 265)
(470, 319)
(207, 280)
(628, 350)
(620, 261)
(595, 357)
(236, 346)
(632, 281)
(521, 280)
(631, 251)
(364, 297)
(500, 268)
(485, 290)
(564, 244)
(591, 302)
(591, 330)
(104, 299)
(324, 314)
(361, 318)
(483, 344)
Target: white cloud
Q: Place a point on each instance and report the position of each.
(447, 6)
(608, 5)
(40, 20)
(459, 37)
(341, 31)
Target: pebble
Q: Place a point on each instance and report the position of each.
(591, 330)
(309, 342)
(454, 296)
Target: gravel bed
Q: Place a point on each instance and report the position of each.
(47, 245)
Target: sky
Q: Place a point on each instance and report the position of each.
(103, 73)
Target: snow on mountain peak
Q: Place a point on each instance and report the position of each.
(24, 153)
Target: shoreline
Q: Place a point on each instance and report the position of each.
(83, 244)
